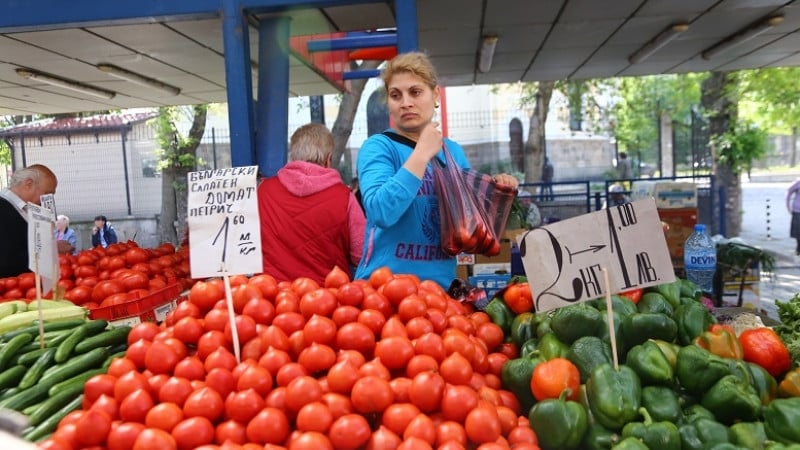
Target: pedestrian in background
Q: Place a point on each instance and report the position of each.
(27, 185)
(793, 206)
(396, 176)
(310, 220)
(66, 239)
(103, 234)
(547, 180)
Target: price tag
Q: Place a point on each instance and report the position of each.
(563, 261)
(42, 250)
(224, 228)
(48, 201)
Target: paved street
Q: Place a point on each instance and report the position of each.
(765, 224)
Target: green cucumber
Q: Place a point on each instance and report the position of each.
(114, 336)
(48, 425)
(44, 362)
(79, 379)
(10, 392)
(48, 326)
(55, 402)
(11, 376)
(10, 348)
(51, 339)
(78, 364)
(90, 328)
(26, 397)
(28, 358)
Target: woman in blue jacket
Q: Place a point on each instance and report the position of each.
(396, 179)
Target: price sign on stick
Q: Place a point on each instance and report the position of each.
(42, 250)
(223, 221)
(563, 261)
(224, 229)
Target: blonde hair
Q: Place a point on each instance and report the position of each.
(416, 63)
(312, 143)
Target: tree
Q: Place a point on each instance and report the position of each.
(539, 94)
(177, 157)
(343, 125)
(774, 95)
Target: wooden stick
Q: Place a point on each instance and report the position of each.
(610, 311)
(38, 282)
(231, 313)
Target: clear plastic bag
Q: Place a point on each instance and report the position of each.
(473, 209)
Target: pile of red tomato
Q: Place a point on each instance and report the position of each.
(386, 363)
(109, 276)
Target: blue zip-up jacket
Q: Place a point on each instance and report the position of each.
(403, 226)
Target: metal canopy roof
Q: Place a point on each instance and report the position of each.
(537, 40)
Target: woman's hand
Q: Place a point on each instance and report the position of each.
(430, 141)
(505, 179)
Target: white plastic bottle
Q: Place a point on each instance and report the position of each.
(700, 258)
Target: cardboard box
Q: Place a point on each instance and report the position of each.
(462, 272)
(491, 268)
(151, 308)
(504, 256)
(672, 194)
(681, 225)
(490, 283)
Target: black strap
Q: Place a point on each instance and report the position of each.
(400, 139)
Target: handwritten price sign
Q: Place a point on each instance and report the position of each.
(223, 221)
(563, 261)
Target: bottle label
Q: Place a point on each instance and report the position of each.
(708, 260)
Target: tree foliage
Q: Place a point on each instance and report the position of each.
(772, 96)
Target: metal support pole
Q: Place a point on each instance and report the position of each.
(273, 86)
(769, 236)
(124, 134)
(236, 40)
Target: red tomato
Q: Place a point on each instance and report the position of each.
(193, 432)
(349, 432)
(105, 288)
(371, 394)
(257, 378)
(205, 294)
(426, 391)
(269, 426)
(262, 311)
(204, 402)
(79, 294)
(243, 405)
(98, 385)
(175, 390)
(315, 416)
(92, 428)
(319, 301)
(302, 391)
(266, 284)
(160, 358)
(164, 416)
(190, 368)
(154, 439)
(123, 435)
(397, 417)
(231, 431)
(221, 380)
(135, 256)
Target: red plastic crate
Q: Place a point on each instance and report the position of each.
(149, 308)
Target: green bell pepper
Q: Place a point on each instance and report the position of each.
(529, 347)
(619, 304)
(550, 347)
(692, 320)
(516, 377)
(781, 419)
(702, 433)
(732, 399)
(661, 435)
(669, 350)
(697, 369)
(653, 302)
(694, 412)
(501, 314)
(740, 369)
(690, 289)
(640, 327)
(727, 446)
(598, 437)
(671, 292)
(587, 353)
(748, 435)
(574, 321)
(765, 384)
(523, 328)
(779, 446)
(650, 364)
(614, 395)
(544, 326)
(558, 423)
(662, 403)
(605, 334)
(631, 443)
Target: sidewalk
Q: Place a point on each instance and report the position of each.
(784, 282)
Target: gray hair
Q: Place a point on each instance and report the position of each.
(26, 173)
(63, 218)
(312, 143)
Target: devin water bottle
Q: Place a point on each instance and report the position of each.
(700, 258)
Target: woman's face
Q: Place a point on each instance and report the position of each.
(61, 225)
(411, 102)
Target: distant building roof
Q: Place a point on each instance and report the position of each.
(78, 124)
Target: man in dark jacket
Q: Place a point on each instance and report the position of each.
(27, 185)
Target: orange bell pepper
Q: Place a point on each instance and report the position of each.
(721, 341)
(633, 295)
(790, 385)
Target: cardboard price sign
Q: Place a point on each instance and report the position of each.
(224, 228)
(42, 251)
(563, 261)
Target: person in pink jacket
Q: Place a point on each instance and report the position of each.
(311, 221)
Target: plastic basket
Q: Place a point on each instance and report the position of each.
(145, 308)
